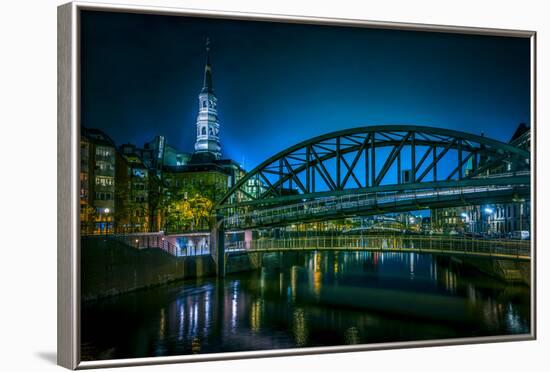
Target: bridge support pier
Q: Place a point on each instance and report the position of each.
(217, 243)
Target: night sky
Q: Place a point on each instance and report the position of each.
(278, 84)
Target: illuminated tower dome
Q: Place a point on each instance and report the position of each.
(208, 127)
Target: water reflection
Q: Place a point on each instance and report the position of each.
(307, 299)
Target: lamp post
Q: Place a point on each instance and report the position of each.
(106, 211)
(464, 216)
(488, 212)
(521, 217)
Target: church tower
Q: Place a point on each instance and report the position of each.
(208, 140)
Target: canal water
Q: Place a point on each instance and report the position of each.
(304, 300)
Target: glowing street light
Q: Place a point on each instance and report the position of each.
(489, 210)
(105, 220)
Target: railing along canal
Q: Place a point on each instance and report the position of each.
(515, 249)
(154, 241)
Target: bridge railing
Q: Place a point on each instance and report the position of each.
(144, 241)
(334, 204)
(154, 241)
(438, 244)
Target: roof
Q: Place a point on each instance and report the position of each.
(521, 130)
(205, 162)
(207, 86)
(96, 136)
(191, 168)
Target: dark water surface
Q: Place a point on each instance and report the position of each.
(304, 300)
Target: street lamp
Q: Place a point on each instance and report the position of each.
(106, 211)
(467, 227)
(488, 212)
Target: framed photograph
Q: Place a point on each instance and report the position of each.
(236, 185)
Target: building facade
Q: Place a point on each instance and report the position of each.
(494, 219)
(97, 182)
(132, 193)
(448, 220)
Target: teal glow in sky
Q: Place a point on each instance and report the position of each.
(279, 84)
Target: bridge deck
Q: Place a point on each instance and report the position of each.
(364, 204)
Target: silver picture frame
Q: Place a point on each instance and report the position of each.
(68, 231)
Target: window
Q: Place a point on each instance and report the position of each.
(103, 196)
(105, 166)
(138, 172)
(204, 104)
(204, 131)
(103, 152)
(210, 131)
(104, 181)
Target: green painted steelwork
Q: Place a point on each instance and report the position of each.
(309, 159)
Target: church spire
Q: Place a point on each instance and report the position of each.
(208, 138)
(207, 83)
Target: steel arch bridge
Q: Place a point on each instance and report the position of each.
(374, 159)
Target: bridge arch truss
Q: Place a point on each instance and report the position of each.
(378, 158)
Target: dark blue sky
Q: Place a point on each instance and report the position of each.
(278, 84)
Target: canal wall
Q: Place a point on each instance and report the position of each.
(242, 261)
(110, 267)
(509, 271)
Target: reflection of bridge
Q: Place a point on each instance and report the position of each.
(373, 170)
(446, 245)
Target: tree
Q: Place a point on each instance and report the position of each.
(88, 215)
(191, 207)
(158, 198)
(179, 215)
(201, 209)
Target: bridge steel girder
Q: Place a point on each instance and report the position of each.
(306, 164)
(498, 181)
(401, 206)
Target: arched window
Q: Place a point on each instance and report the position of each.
(210, 131)
(204, 131)
(204, 103)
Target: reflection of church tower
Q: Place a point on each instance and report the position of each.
(208, 140)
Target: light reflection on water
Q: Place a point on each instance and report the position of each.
(307, 299)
